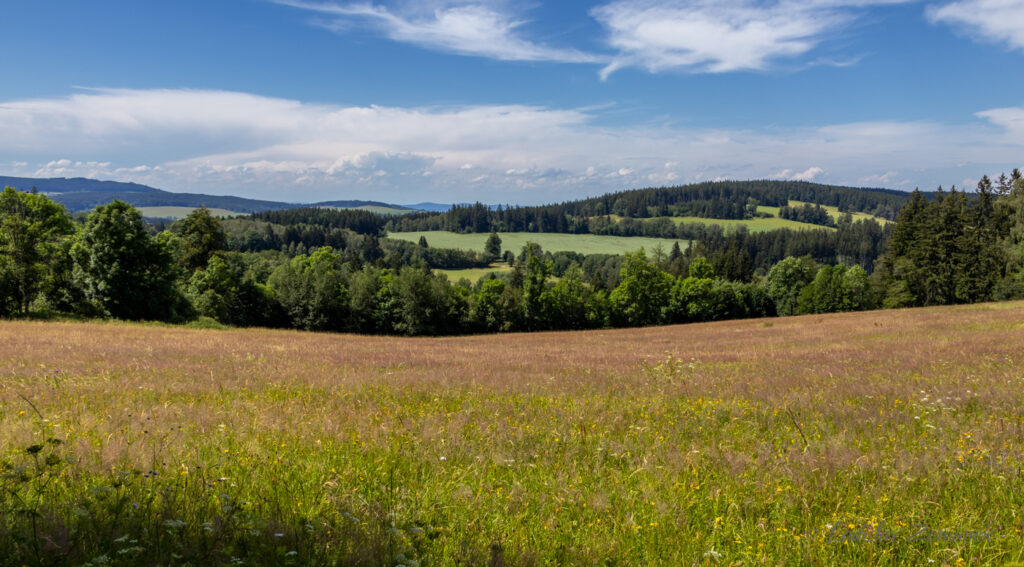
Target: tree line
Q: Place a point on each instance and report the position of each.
(721, 200)
(956, 247)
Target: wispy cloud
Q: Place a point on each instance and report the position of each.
(987, 20)
(694, 36)
(808, 174)
(1011, 120)
(236, 143)
(468, 29)
(717, 36)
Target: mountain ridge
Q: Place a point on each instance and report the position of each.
(83, 194)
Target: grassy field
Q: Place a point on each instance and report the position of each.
(474, 274)
(879, 438)
(754, 225)
(832, 211)
(549, 242)
(773, 222)
(182, 212)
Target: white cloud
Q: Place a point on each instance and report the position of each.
(698, 36)
(889, 178)
(1010, 119)
(808, 174)
(718, 36)
(235, 143)
(468, 29)
(988, 20)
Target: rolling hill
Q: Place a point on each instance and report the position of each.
(81, 194)
(816, 440)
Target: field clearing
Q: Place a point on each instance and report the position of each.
(182, 212)
(753, 225)
(474, 274)
(773, 222)
(874, 438)
(548, 241)
(832, 211)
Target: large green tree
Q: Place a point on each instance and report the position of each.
(124, 271)
(311, 290)
(536, 298)
(571, 301)
(497, 306)
(835, 289)
(202, 236)
(227, 290)
(493, 245)
(643, 296)
(32, 228)
(787, 279)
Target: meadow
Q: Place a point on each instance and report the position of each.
(548, 241)
(182, 212)
(474, 274)
(832, 211)
(773, 222)
(881, 438)
(753, 225)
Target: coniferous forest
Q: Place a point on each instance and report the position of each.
(335, 270)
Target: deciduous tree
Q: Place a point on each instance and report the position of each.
(31, 230)
(122, 269)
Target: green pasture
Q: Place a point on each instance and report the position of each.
(182, 212)
(549, 242)
(474, 274)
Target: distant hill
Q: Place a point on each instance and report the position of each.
(618, 213)
(430, 207)
(81, 194)
(58, 185)
(358, 204)
(372, 206)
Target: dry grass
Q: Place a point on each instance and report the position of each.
(887, 437)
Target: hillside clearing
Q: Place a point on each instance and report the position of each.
(474, 274)
(831, 210)
(548, 241)
(753, 225)
(182, 212)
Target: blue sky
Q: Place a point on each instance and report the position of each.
(502, 101)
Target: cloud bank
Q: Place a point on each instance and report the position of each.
(238, 143)
(1000, 21)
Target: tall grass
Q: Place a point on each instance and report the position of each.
(884, 438)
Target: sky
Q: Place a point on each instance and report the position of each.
(509, 101)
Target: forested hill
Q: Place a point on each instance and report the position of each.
(81, 194)
(718, 200)
(60, 185)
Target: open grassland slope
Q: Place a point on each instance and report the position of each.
(548, 241)
(883, 438)
(182, 212)
(832, 211)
